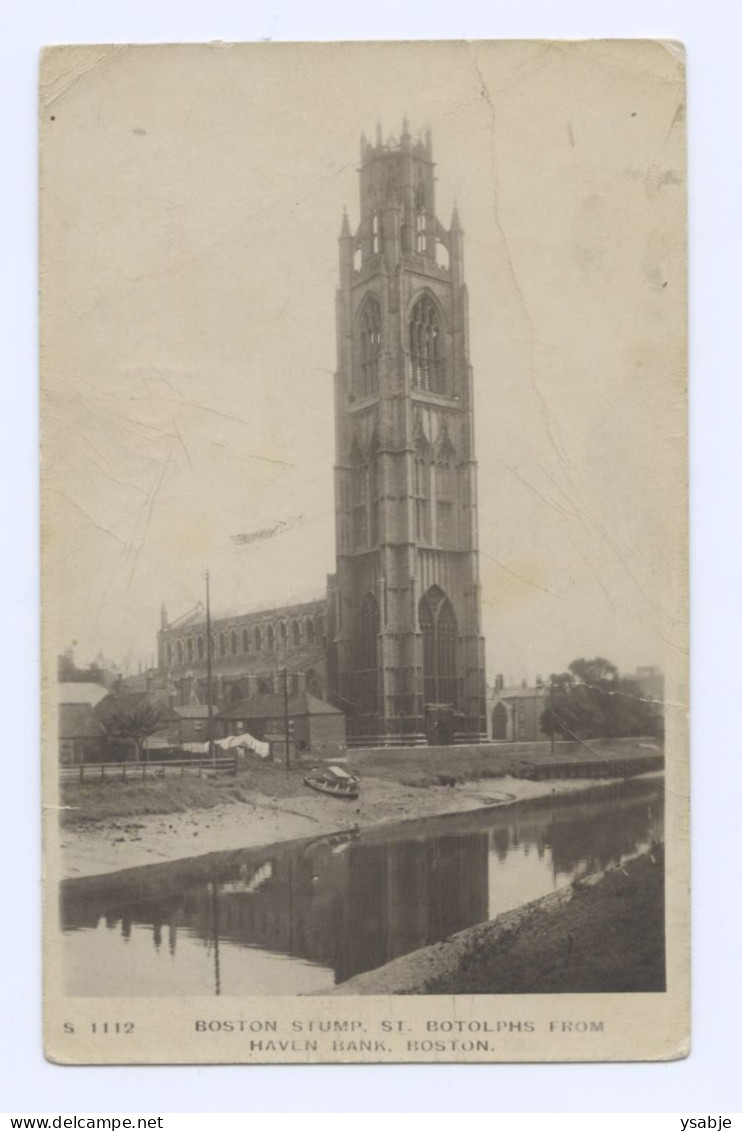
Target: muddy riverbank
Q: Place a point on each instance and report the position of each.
(112, 825)
(115, 842)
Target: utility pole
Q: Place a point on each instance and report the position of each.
(286, 714)
(210, 728)
(551, 712)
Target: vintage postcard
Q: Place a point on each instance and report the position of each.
(364, 552)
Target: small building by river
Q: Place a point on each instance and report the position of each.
(80, 732)
(514, 713)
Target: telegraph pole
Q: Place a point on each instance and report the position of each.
(210, 731)
(286, 714)
(551, 712)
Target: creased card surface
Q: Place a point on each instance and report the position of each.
(364, 552)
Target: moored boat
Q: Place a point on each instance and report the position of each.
(334, 781)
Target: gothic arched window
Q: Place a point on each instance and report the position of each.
(367, 658)
(445, 505)
(375, 234)
(270, 638)
(369, 331)
(420, 231)
(422, 496)
(440, 638)
(375, 492)
(245, 640)
(189, 650)
(309, 632)
(200, 647)
(358, 501)
(233, 643)
(222, 644)
(179, 652)
(426, 346)
(295, 634)
(258, 640)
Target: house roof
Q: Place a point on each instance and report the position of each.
(301, 605)
(195, 711)
(272, 706)
(76, 720)
(317, 706)
(90, 693)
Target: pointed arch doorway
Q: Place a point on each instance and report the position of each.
(439, 630)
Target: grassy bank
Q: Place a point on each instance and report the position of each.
(425, 766)
(92, 802)
(608, 938)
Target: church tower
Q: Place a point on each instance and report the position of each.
(406, 650)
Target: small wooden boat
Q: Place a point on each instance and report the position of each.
(334, 781)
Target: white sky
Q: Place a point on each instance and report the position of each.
(193, 199)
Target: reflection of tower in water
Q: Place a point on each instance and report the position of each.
(354, 906)
(351, 903)
(410, 893)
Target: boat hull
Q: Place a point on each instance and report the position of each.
(347, 790)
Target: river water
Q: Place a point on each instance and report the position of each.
(305, 915)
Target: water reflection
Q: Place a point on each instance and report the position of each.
(302, 916)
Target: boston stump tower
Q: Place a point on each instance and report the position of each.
(406, 650)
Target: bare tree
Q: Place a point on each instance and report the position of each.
(136, 722)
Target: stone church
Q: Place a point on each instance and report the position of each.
(396, 642)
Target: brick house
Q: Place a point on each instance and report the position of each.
(316, 727)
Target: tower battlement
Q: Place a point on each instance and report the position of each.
(421, 146)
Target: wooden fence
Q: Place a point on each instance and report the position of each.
(148, 771)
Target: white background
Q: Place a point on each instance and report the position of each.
(709, 1079)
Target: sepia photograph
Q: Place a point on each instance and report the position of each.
(364, 548)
